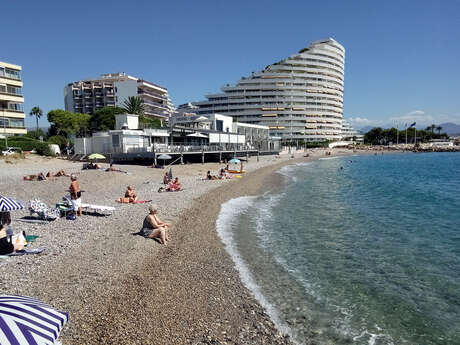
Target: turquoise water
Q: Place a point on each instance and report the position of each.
(355, 250)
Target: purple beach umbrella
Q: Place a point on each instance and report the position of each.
(27, 321)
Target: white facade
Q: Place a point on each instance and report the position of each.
(11, 100)
(109, 90)
(349, 133)
(298, 98)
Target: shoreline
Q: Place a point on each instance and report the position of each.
(123, 289)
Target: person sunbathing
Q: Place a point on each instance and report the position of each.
(211, 177)
(41, 177)
(174, 186)
(154, 227)
(112, 168)
(6, 247)
(131, 194)
(92, 165)
(30, 178)
(166, 179)
(58, 174)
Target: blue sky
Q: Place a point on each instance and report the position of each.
(402, 59)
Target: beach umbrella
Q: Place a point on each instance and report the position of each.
(96, 156)
(234, 160)
(8, 204)
(164, 157)
(27, 321)
(170, 175)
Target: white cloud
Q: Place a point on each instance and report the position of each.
(358, 122)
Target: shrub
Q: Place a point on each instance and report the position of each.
(28, 144)
(59, 140)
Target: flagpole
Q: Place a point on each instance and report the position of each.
(406, 133)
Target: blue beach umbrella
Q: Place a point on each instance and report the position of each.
(8, 204)
(234, 160)
(27, 321)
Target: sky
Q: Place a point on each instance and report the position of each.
(402, 57)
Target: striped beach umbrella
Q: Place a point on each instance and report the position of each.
(27, 321)
(8, 204)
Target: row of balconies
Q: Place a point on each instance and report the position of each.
(307, 69)
(279, 101)
(10, 73)
(292, 78)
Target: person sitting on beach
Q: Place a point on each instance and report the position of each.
(174, 186)
(166, 179)
(131, 194)
(211, 177)
(6, 247)
(75, 195)
(41, 177)
(154, 227)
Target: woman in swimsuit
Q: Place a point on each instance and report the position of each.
(153, 227)
(131, 194)
(6, 247)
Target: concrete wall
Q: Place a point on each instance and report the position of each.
(131, 120)
(124, 89)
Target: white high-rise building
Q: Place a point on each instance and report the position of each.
(109, 90)
(11, 100)
(299, 98)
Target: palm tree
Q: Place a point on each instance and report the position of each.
(433, 126)
(134, 105)
(37, 112)
(439, 129)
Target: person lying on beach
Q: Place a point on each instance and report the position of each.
(6, 247)
(166, 179)
(30, 178)
(58, 174)
(92, 165)
(131, 194)
(112, 168)
(154, 227)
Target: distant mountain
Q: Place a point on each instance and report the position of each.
(450, 128)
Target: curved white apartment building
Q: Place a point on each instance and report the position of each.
(299, 98)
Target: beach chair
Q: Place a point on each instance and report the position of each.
(98, 209)
(36, 206)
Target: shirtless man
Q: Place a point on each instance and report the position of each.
(75, 195)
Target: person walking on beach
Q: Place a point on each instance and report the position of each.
(75, 195)
(154, 227)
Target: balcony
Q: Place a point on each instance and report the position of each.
(10, 74)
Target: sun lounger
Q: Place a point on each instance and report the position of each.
(98, 209)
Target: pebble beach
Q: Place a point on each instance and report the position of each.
(120, 288)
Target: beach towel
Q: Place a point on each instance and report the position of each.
(27, 252)
(126, 201)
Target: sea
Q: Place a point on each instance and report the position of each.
(355, 250)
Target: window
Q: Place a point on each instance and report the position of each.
(115, 140)
(219, 125)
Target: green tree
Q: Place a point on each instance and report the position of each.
(65, 122)
(37, 112)
(433, 126)
(36, 134)
(104, 119)
(439, 128)
(374, 136)
(134, 105)
(149, 122)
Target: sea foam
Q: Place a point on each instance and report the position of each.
(226, 221)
